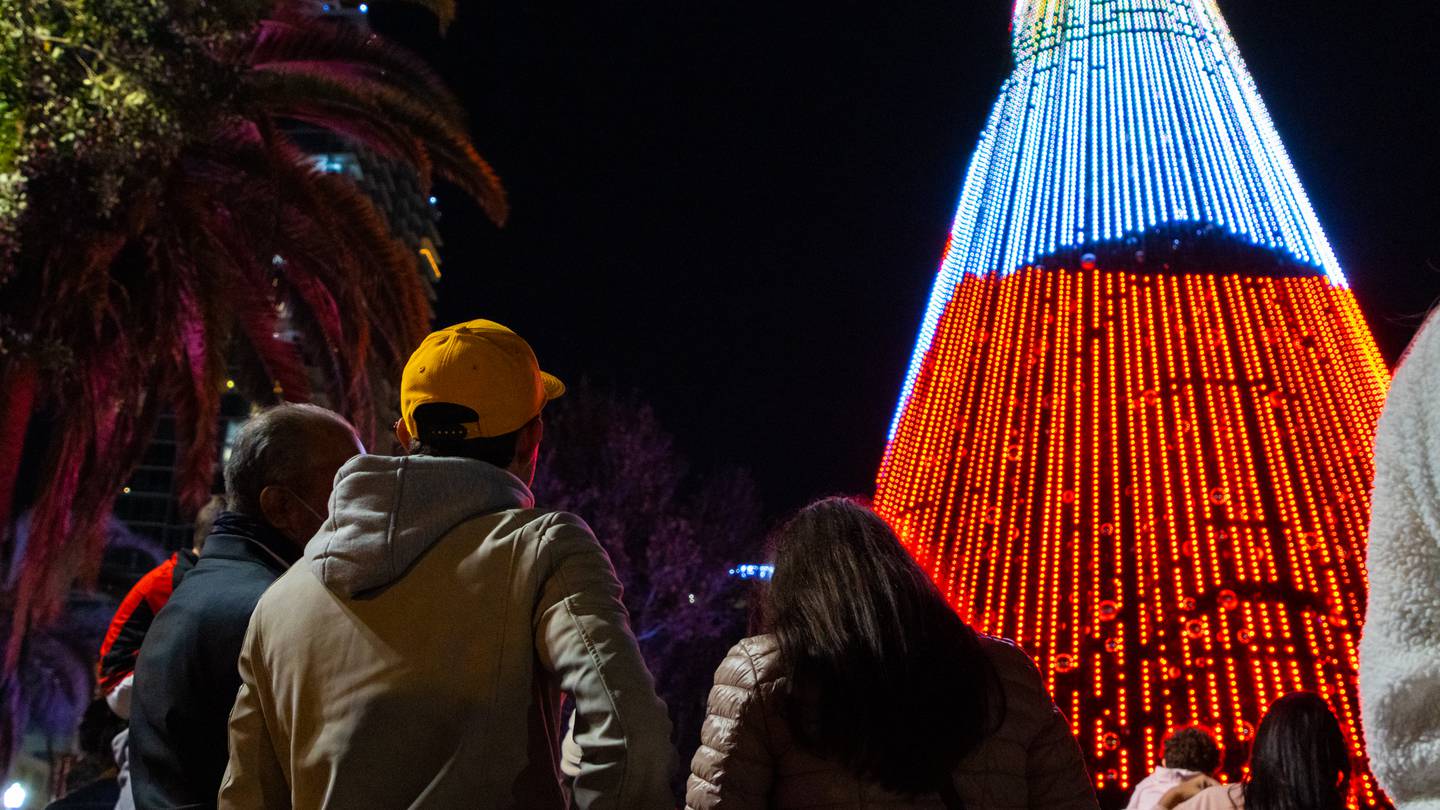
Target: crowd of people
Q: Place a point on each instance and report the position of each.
(1299, 759)
(367, 631)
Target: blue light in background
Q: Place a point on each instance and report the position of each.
(1119, 117)
(753, 571)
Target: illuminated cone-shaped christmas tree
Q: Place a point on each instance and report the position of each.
(1135, 435)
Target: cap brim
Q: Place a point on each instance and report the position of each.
(554, 389)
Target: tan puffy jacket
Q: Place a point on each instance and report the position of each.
(747, 758)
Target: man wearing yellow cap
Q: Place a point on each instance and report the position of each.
(418, 655)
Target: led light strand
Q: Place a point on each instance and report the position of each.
(1121, 115)
(1081, 469)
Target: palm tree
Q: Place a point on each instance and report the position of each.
(160, 238)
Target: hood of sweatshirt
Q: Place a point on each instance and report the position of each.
(385, 512)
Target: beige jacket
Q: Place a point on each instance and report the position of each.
(747, 758)
(417, 655)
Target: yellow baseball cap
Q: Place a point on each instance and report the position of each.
(482, 366)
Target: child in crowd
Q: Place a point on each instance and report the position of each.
(1187, 752)
(1300, 761)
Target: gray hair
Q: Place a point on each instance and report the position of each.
(275, 446)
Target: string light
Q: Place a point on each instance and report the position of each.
(1121, 115)
(1135, 432)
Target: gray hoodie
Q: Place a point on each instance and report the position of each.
(418, 655)
(389, 511)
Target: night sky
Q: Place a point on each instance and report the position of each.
(738, 208)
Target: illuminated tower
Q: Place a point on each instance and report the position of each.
(1135, 434)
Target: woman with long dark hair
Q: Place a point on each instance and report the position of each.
(1299, 761)
(868, 690)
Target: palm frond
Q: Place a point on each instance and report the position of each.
(343, 50)
(112, 313)
(199, 367)
(304, 10)
(291, 92)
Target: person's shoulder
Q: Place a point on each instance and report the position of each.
(224, 579)
(1027, 704)
(1151, 779)
(1011, 662)
(217, 590)
(751, 662)
(554, 520)
(1000, 648)
(762, 648)
(552, 531)
(220, 568)
(157, 577)
(532, 523)
(1230, 796)
(299, 580)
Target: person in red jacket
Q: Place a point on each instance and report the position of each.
(127, 630)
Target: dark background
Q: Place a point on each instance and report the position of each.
(737, 208)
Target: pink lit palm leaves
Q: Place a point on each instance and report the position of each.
(129, 285)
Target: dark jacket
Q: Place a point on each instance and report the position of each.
(102, 794)
(186, 676)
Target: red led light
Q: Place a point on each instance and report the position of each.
(1159, 484)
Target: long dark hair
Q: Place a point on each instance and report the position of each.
(884, 677)
(1300, 760)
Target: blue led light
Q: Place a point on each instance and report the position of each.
(433, 199)
(364, 9)
(752, 571)
(1120, 116)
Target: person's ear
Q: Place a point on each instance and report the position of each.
(528, 443)
(402, 435)
(275, 506)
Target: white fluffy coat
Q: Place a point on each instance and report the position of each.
(1400, 648)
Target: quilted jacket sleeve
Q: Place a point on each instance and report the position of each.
(1056, 769)
(1055, 773)
(733, 768)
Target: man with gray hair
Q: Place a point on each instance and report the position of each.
(277, 487)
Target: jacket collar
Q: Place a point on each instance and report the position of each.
(241, 537)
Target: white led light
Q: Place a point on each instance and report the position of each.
(15, 796)
(1121, 117)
